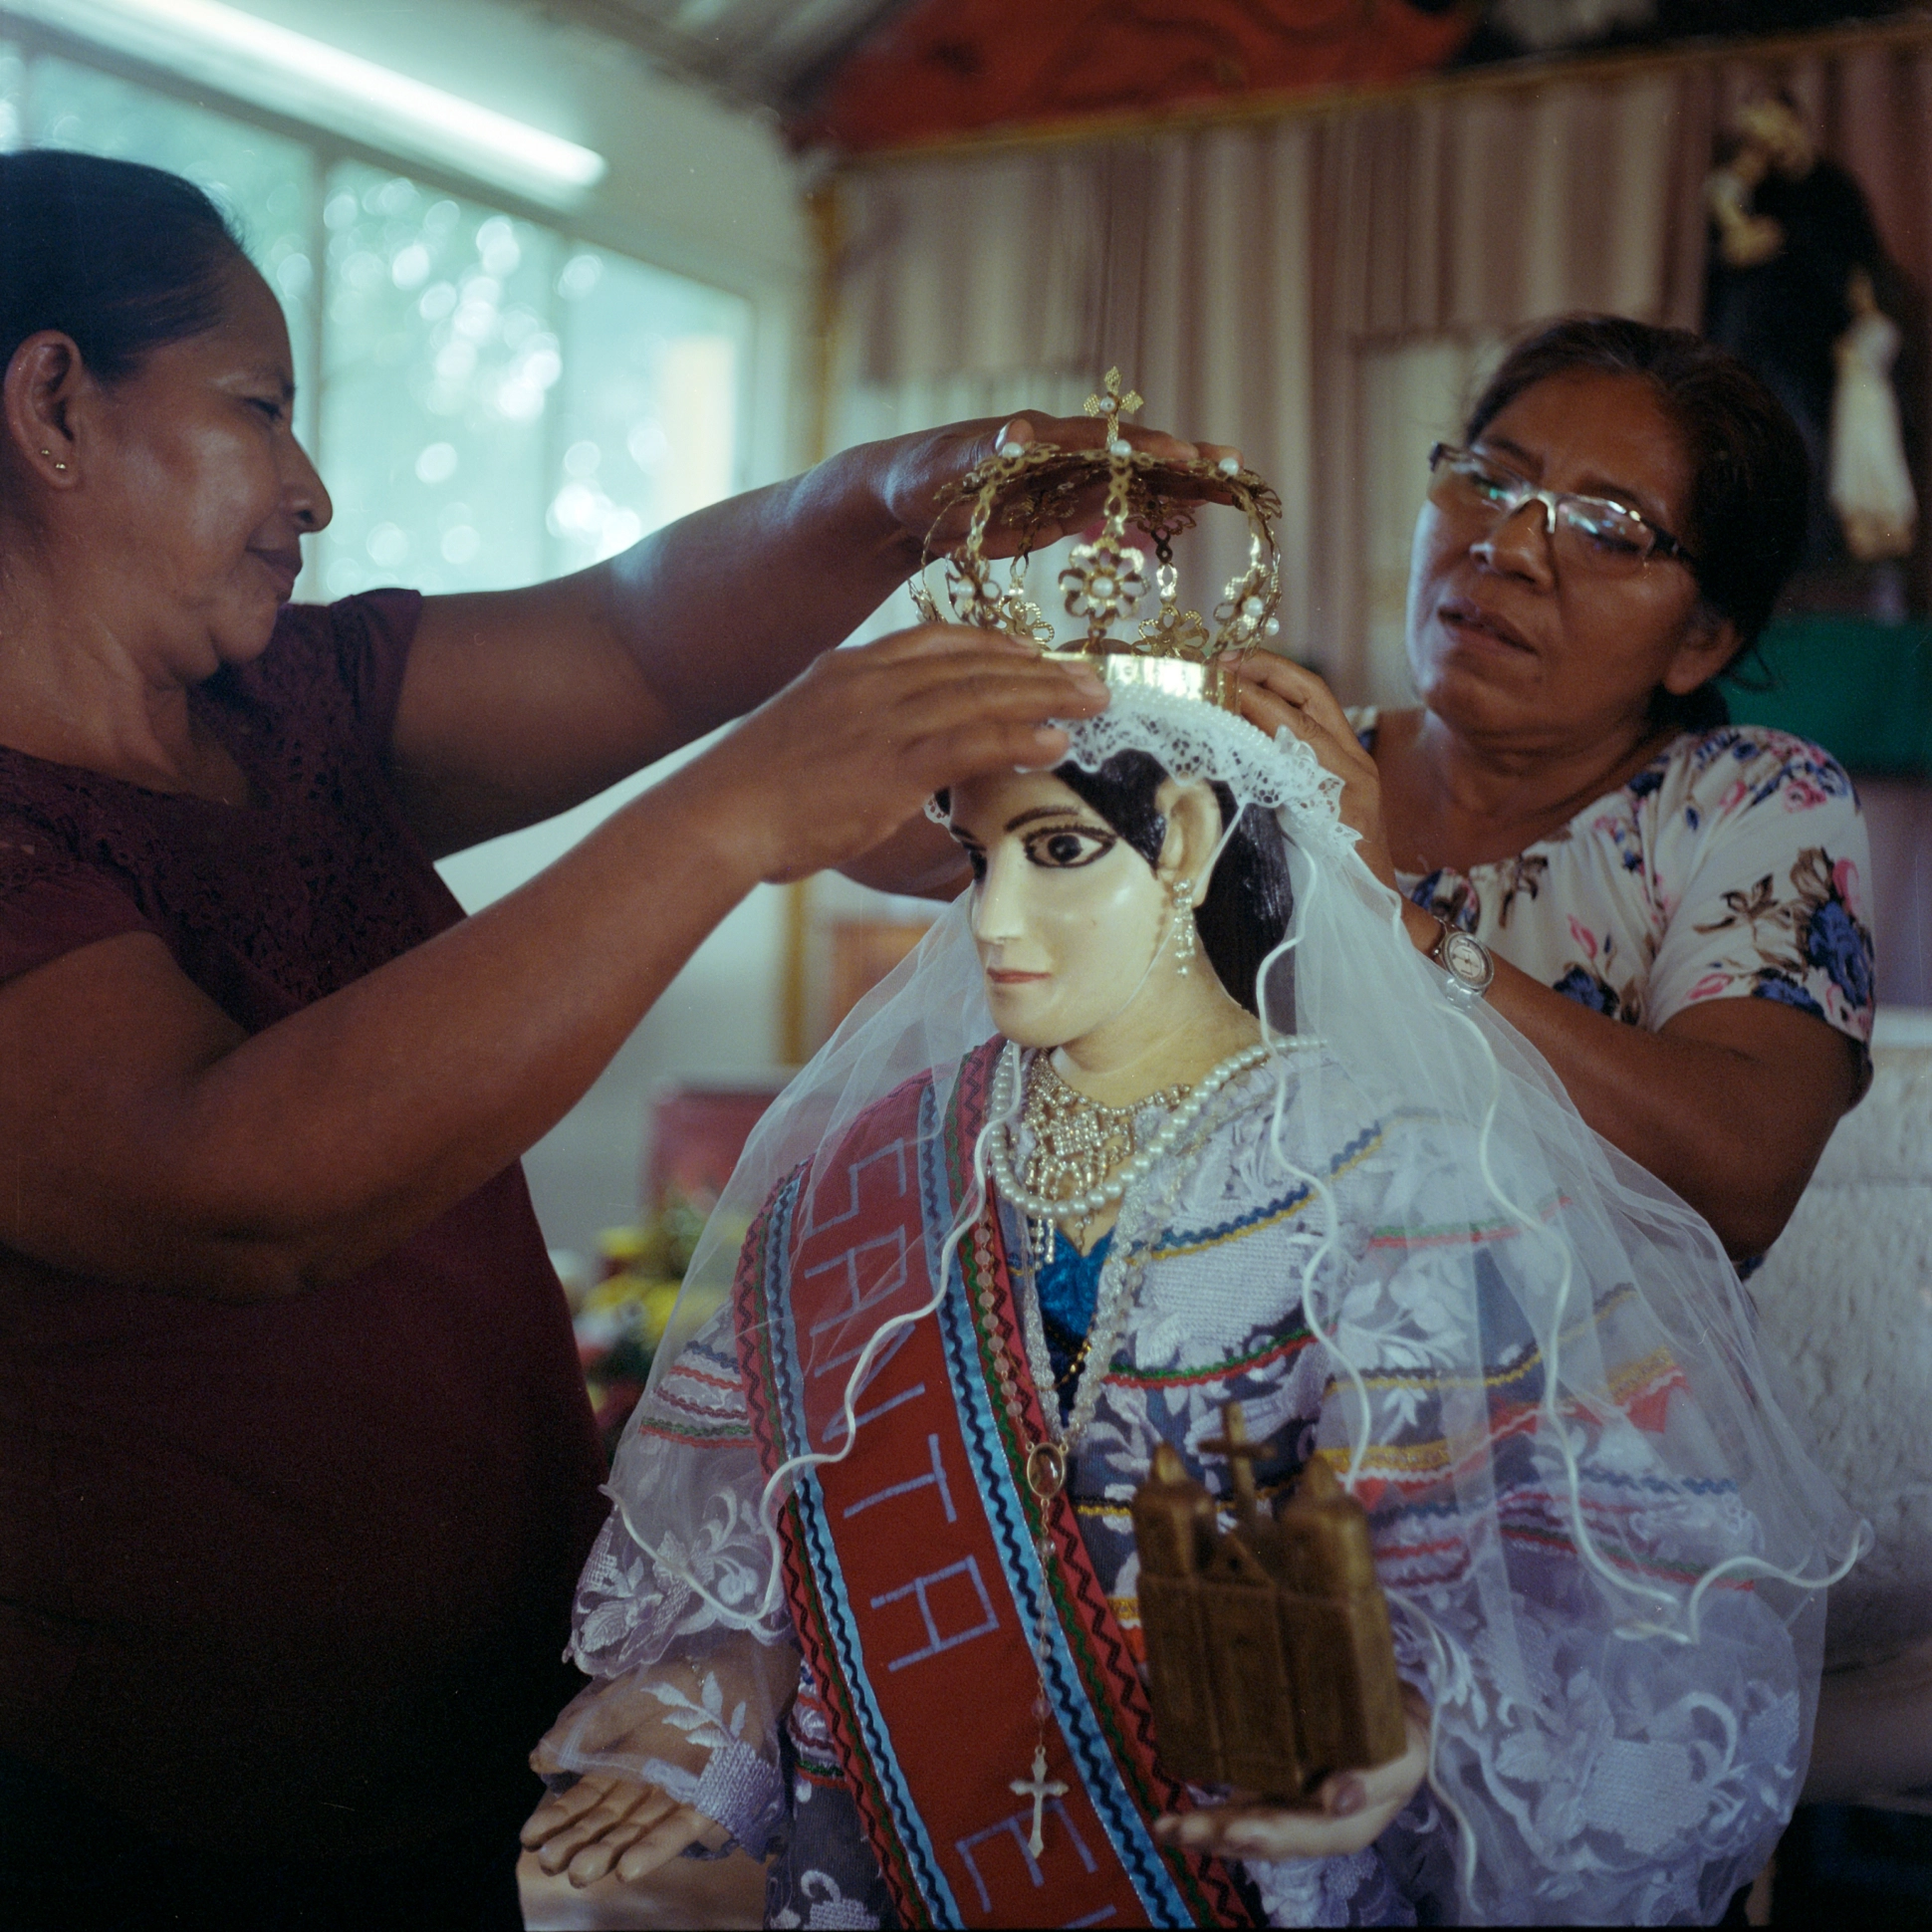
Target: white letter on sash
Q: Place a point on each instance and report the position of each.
(936, 1480)
(919, 1588)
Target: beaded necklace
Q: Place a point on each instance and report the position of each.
(1079, 1146)
(1089, 1144)
(1048, 1462)
(1121, 1272)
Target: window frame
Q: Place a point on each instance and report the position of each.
(765, 347)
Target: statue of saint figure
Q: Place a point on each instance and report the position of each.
(1166, 1114)
(1795, 259)
(1871, 482)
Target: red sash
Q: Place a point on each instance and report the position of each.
(909, 1567)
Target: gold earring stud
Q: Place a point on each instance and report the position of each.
(49, 452)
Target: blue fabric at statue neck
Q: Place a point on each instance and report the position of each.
(1070, 1288)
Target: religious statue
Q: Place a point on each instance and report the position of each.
(1165, 1115)
(1792, 242)
(1871, 483)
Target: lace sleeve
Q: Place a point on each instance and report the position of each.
(1605, 1750)
(703, 1727)
(692, 1670)
(683, 1551)
(1356, 1889)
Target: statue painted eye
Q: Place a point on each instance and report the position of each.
(1063, 846)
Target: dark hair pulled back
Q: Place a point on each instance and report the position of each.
(1244, 914)
(1749, 475)
(122, 257)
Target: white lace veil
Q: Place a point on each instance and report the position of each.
(1702, 1540)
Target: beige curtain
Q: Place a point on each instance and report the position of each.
(1254, 280)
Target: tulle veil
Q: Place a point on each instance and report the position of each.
(1700, 1534)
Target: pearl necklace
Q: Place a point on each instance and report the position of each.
(1078, 1144)
(1121, 1273)
(1109, 1123)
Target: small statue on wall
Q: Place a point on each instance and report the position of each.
(1795, 263)
(1871, 483)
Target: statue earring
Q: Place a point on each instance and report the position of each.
(1186, 939)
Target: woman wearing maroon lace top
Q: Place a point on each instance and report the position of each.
(295, 1469)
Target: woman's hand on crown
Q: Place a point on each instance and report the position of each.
(853, 747)
(1276, 694)
(916, 472)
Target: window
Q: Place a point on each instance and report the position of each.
(491, 400)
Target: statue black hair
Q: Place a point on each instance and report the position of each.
(1244, 914)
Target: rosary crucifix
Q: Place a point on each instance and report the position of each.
(1038, 1787)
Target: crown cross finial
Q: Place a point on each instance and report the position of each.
(1111, 403)
(1029, 488)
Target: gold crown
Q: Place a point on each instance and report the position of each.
(1105, 580)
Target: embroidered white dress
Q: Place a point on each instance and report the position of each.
(1600, 1777)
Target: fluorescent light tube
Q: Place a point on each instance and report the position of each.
(311, 81)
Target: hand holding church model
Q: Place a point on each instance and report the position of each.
(1167, 1115)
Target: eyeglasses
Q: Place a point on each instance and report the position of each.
(1590, 531)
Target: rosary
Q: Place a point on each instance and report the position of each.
(1080, 1159)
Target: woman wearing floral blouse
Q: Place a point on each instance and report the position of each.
(1676, 904)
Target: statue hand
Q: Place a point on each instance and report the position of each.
(1349, 1812)
(596, 1824)
(918, 469)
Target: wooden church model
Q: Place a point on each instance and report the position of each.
(1269, 1648)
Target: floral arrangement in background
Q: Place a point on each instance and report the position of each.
(619, 1318)
(696, 1131)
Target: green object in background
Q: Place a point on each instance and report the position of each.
(1863, 690)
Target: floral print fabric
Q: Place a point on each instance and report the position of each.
(1733, 865)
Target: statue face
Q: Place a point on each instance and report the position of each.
(1068, 916)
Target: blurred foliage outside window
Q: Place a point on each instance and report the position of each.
(490, 401)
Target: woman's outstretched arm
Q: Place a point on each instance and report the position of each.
(520, 703)
(150, 1141)
(1730, 1102)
